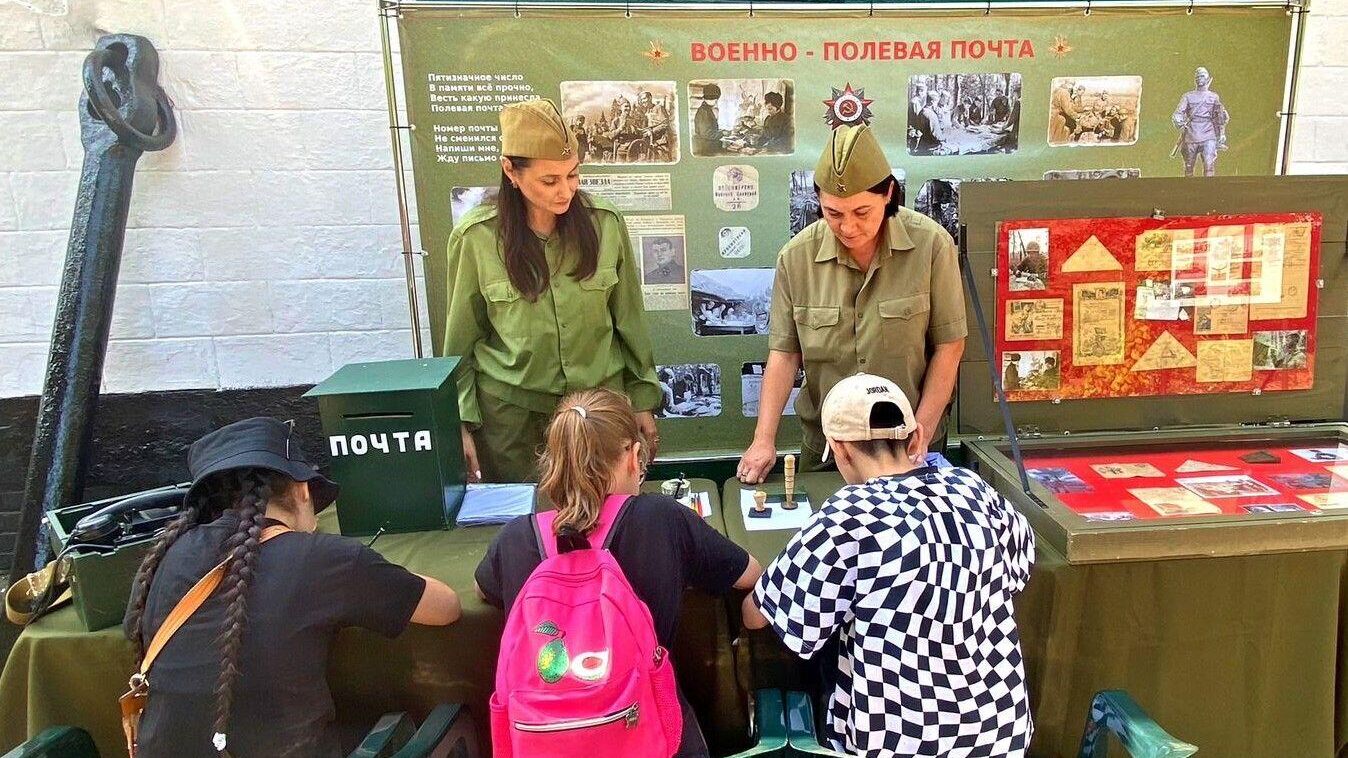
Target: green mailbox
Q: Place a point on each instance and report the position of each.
(393, 435)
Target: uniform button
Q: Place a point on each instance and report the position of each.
(863, 360)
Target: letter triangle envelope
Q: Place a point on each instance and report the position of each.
(1192, 466)
(1165, 352)
(1092, 256)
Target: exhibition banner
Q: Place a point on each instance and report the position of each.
(703, 127)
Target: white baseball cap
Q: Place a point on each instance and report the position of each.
(866, 407)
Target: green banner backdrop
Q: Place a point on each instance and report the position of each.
(699, 123)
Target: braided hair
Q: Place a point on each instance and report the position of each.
(242, 491)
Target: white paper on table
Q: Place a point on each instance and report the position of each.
(1323, 454)
(495, 503)
(781, 518)
(698, 502)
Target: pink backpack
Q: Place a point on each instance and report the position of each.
(581, 672)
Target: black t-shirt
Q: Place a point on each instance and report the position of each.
(661, 546)
(305, 588)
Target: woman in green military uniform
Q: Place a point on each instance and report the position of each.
(871, 287)
(544, 299)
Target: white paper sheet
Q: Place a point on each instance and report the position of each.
(781, 518)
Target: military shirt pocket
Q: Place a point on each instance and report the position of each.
(500, 293)
(602, 281)
(905, 319)
(817, 330)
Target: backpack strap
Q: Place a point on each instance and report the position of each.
(609, 514)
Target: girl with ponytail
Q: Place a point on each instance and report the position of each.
(245, 675)
(595, 449)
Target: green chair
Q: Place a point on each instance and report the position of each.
(768, 725)
(57, 742)
(1114, 711)
(387, 736)
(800, 735)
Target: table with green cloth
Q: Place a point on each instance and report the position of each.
(1243, 656)
(57, 673)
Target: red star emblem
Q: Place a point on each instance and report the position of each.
(848, 106)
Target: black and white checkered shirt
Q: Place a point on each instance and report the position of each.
(917, 574)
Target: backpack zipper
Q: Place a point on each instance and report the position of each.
(628, 714)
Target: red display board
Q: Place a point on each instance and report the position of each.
(1117, 307)
(1233, 480)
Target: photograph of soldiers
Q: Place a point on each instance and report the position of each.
(963, 114)
(1280, 350)
(1033, 370)
(691, 390)
(939, 200)
(804, 198)
(1029, 259)
(1201, 119)
(623, 122)
(1093, 173)
(1096, 110)
(742, 116)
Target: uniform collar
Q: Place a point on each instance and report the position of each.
(895, 235)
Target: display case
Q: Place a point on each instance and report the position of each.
(1146, 457)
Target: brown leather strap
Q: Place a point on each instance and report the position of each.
(192, 601)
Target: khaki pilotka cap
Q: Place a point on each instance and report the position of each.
(852, 162)
(846, 412)
(535, 129)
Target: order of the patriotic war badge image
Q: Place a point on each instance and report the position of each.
(848, 107)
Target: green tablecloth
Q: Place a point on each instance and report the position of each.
(1240, 656)
(57, 673)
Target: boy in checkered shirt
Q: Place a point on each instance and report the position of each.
(914, 568)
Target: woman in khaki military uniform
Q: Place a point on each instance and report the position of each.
(544, 299)
(871, 287)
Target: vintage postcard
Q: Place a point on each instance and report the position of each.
(1274, 508)
(1154, 303)
(1097, 324)
(1305, 481)
(1322, 454)
(1295, 241)
(1225, 360)
(1033, 320)
(1153, 248)
(1174, 501)
(1165, 353)
(1127, 470)
(1274, 351)
(1327, 499)
(1094, 110)
(623, 123)
(1226, 256)
(1029, 370)
(1058, 480)
(1108, 516)
(1232, 485)
(1221, 319)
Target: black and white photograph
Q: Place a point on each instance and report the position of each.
(963, 114)
(1031, 370)
(1217, 487)
(1322, 454)
(662, 259)
(742, 117)
(1274, 351)
(1028, 258)
(731, 301)
(804, 200)
(690, 390)
(1274, 508)
(1093, 173)
(1060, 481)
(939, 200)
(751, 387)
(1094, 110)
(1304, 481)
(464, 199)
(622, 123)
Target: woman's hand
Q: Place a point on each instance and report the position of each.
(472, 469)
(646, 424)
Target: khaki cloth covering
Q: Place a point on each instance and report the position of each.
(852, 162)
(535, 129)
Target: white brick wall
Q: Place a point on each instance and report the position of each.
(265, 267)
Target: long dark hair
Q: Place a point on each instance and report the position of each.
(242, 491)
(524, 260)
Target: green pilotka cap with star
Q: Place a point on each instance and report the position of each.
(852, 162)
(535, 129)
